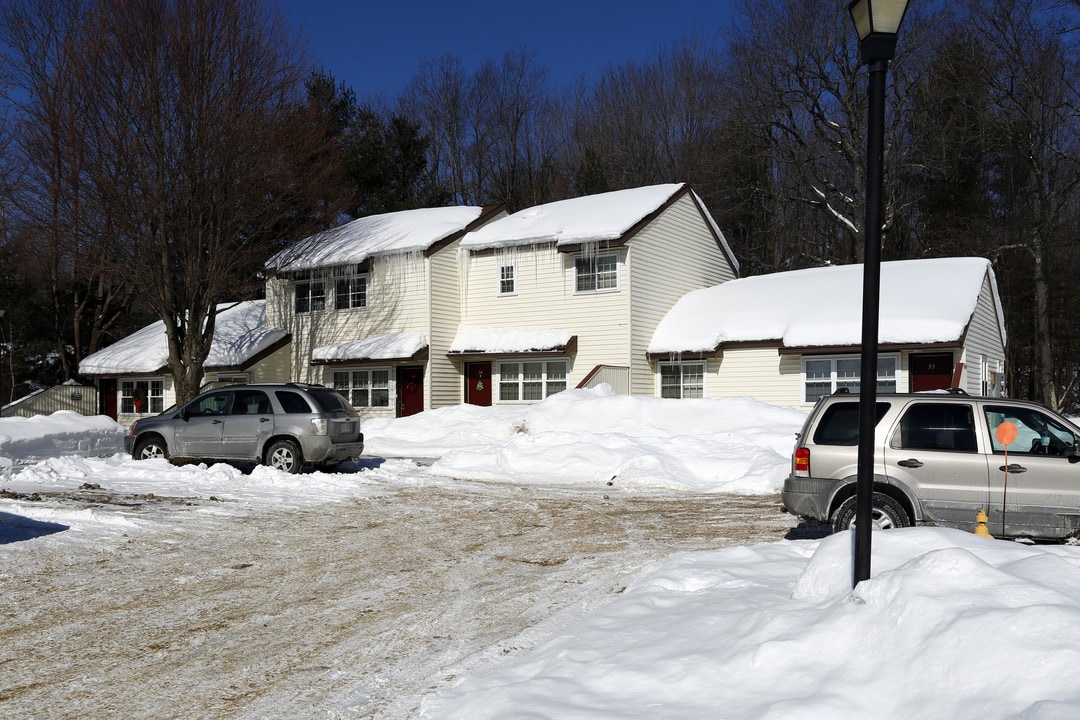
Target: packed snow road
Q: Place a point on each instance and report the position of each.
(210, 608)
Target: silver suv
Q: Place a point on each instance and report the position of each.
(285, 426)
(939, 459)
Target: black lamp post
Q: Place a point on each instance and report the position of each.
(877, 22)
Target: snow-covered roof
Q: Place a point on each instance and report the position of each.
(508, 340)
(921, 301)
(240, 333)
(395, 233)
(377, 347)
(592, 218)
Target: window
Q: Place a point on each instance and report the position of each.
(824, 376)
(507, 279)
(1036, 433)
(682, 380)
(350, 292)
(364, 388)
(531, 380)
(293, 403)
(310, 296)
(940, 426)
(250, 402)
(213, 404)
(597, 273)
(142, 397)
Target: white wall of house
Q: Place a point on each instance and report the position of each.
(443, 384)
(399, 299)
(545, 297)
(984, 351)
(667, 259)
(674, 254)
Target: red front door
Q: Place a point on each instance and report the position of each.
(931, 372)
(410, 390)
(478, 383)
(107, 397)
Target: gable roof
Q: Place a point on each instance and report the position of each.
(921, 302)
(396, 233)
(240, 333)
(606, 217)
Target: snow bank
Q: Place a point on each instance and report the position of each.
(597, 437)
(62, 433)
(950, 625)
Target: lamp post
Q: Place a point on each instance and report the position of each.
(877, 22)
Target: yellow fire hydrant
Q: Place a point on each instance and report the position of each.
(980, 525)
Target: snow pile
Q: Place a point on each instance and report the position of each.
(950, 625)
(62, 433)
(595, 437)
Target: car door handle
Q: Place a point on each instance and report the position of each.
(216, 422)
(912, 463)
(1014, 468)
(264, 419)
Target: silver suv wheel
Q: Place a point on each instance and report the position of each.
(284, 455)
(887, 514)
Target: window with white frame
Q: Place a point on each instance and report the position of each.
(531, 380)
(596, 273)
(310, 295)
(682, 380)
(369, 387)
(142, 397)
(824, 376)
(507, 279)
(351, 291)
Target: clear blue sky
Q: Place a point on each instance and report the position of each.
(375, 47)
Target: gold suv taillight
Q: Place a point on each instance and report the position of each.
(802, 462)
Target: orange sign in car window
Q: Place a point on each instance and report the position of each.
(1006, 433)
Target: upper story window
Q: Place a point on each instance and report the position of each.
(350, 292)
(507, 279)
(596, 273)
(824, 376)
(310, 296)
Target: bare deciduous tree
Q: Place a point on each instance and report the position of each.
(182, 149)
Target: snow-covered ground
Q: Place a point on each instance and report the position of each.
(950, 625)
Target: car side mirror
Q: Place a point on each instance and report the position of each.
(184, 414)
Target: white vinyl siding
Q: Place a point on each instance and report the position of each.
(671, 256)
(666, 260)
(984, 347)
(443, 385)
